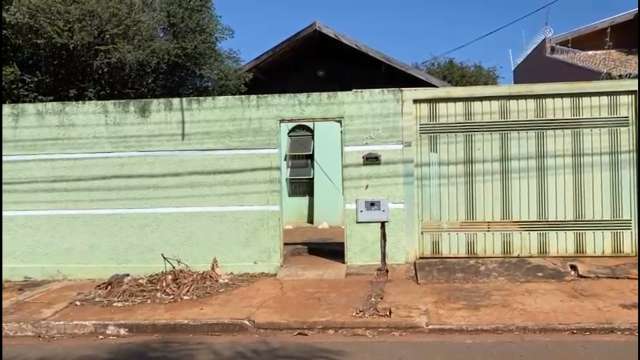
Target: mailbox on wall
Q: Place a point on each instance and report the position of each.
(371, 159)
(372, 211)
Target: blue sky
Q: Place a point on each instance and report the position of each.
(412, 30)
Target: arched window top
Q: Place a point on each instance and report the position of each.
(300, 140)
(300, 130)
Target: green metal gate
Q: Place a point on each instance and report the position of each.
(534, 175)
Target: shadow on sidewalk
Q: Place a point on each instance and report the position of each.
(448, 271)
(173, 350)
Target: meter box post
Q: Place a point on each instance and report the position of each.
(372, 211)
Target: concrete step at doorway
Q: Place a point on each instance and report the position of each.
(313, 261)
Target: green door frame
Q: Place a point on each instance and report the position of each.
(281, 152)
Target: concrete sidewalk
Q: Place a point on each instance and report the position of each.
(573, 303)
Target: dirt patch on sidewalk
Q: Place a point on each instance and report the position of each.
(314, 300)
(46, 303)
(560, 302)
(630, 306)
(12, 289)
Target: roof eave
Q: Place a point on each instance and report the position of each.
(600, 24)
(381, 57)
(279, 47)
(349, 42)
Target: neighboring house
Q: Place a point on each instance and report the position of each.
(317, 59)
(603, 50)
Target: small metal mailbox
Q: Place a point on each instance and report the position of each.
(372, 211)
(371, 159)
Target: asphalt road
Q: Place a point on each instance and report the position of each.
(432, 347)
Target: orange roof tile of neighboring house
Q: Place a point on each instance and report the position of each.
(611, 62)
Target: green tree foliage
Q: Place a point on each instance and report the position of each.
(458, 73)
(73, 50)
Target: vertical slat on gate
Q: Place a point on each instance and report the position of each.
(446, 174)
(496, 239)
(625, 175)
(577, 166)
(568, 181)
(589, 179)
(541, 242)
(469, 181)
(480, 181)
(597, 172)
(632, 111)
(607, 177)
(528, 112)
(614, 161)
(553, 182)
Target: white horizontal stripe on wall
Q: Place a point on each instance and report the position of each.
(102, 265)
(352, 148)
(222, 152)
(352, 206)
(130, 154)
(165, 210)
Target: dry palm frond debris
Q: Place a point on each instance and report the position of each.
(178, 283)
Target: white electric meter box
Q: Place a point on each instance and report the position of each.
(372, 211)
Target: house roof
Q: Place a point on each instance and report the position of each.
(613, 62)
(288, 43)
(598, 25)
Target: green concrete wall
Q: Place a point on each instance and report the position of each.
(94, 188)
(182, 170)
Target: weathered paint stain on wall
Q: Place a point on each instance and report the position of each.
(178, 180)
(209, 123)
